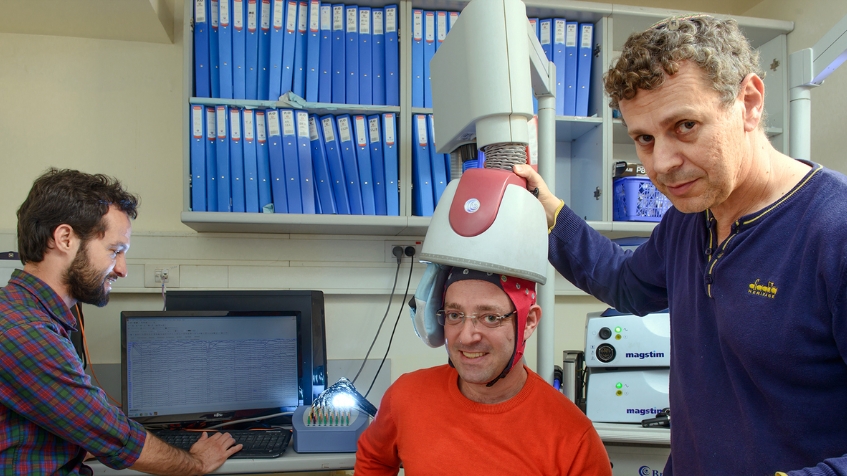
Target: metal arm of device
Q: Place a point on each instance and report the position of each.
(807, 69)
(483, 78)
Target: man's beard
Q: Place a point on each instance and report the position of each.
(85, 283)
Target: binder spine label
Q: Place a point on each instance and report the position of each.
(344, 129)
(224, 13)
(287, 123)
(303, 124)
(338, 17)
(291, 20)
(314, 16)
(378, 29)
(260, 127)
(215, 14)
(278, 14)
(197, 122)
(417, 25)
(365, 22)
(390, 20)
(560, 31)
(238, 14)
(251, 16)
(313, 129)
(199, 11)
(442, 26)
(421, 129)
(303, 20)
(210, 124)
(373, 126)
(221, 116)
(351, 20)
(430, 27)
(389, 129)
(327, 125)
(273, 123)
(361, 132)
(326, 18)
(234, 125)
(266, 15)
(545, 33)
(453, 17)
(570, 41)
(586, 36)
(248, 125)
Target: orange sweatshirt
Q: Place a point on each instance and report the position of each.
(425, 423)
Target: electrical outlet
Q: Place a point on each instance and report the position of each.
(154, 274)
(389, 249)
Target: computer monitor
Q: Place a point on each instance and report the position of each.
(188, 366)
(307, 306)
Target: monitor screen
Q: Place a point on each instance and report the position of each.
(202, 366)
(307, 306)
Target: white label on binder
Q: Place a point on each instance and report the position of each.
(351, 20)
(248, 125)
(200, 11)
(197, 121)
(365, 22)
(326, 17)
(210, 123)
(278, 8)
(361, 132)
(287, 123)
(571, 39)
(389, 129)
(432, 126)
(260, 127)
(442, 26)
(221, 116)
(328, 135)
(291, 19)
(273, 123)
(390, 20)
(313, 129)
(302, 124)
(421, 129)
(559, 32)
(338, 17)
(430, 27)
(266, 15)
(234, 125)
(344, 129)
(215, 14)
(373, 126)
(378, 28)
(314, 15)
(303, 20)
(545, 33)
(417, 25)
(238, 14)
(251, 16)
(224, 13)
(453, 17)
(586, 36)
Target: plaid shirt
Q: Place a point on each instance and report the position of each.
(51, 414)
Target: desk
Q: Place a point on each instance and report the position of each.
(290, 461)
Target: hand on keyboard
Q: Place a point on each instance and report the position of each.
(214, 450)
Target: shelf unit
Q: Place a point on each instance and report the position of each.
(586, 147)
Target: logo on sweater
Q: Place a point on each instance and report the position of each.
(758, 289)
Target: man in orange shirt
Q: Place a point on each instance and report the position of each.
(485, 412)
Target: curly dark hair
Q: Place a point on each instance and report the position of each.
(68, 197)
(717, 46)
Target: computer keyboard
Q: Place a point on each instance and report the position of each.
(257, 443)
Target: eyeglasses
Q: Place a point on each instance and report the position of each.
(452, 318)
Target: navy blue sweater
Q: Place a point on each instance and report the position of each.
(758, 379)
